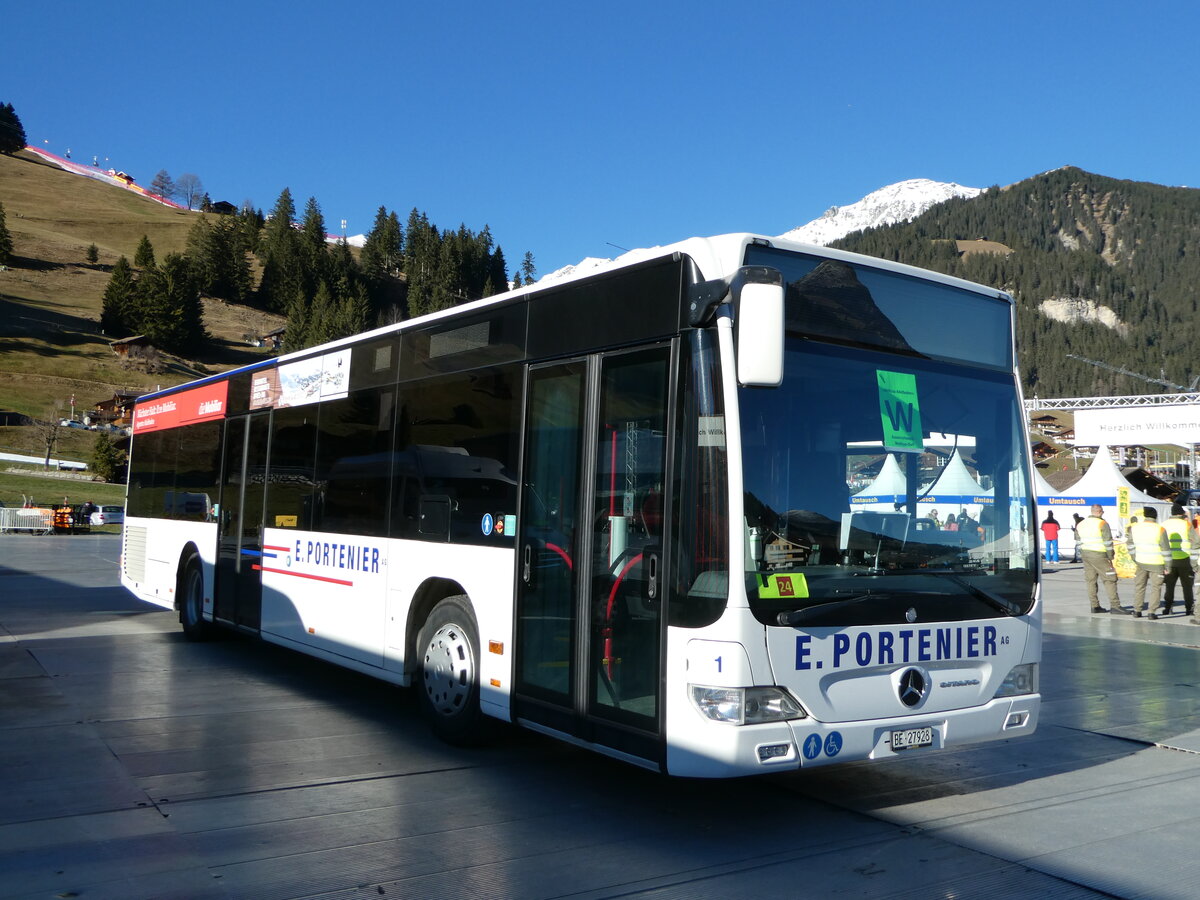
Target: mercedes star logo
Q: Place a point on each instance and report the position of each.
(910, 615)
(912, 687)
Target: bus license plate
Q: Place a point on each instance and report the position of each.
(908, 738)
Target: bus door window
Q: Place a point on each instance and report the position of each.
(546, 615)
(626, 585)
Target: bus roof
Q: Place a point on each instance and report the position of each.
(717, 256)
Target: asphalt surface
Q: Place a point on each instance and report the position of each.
(138, 765)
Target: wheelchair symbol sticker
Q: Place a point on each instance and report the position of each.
(833, 743)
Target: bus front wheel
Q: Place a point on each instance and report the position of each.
(449, 677)
(191, 602)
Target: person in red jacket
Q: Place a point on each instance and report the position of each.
(1050, 533)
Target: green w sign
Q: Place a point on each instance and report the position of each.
(900, 411)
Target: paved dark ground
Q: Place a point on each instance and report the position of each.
(138, 765)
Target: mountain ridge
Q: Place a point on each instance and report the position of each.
(899, 202)
(1100, 268)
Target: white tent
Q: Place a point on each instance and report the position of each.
(1041, 487)
(887, 489)
(957, 490)
(1099, 486)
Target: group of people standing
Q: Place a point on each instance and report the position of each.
(1165, 555)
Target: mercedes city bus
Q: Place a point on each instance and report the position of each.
(730, 506)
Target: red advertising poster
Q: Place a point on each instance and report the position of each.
(185, 408)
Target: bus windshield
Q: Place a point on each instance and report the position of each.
(880, 487)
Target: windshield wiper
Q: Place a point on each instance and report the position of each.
(818, 610)
(1001, 604)
(797, 616)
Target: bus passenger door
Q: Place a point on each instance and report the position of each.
(238, 594)
(591, 549)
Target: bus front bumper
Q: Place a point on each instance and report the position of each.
(715, 749)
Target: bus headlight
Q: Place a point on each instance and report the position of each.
(746, 706)
(1021, 680)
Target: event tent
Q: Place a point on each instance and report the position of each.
(957, 487)
(887, 489)
(1098, 486)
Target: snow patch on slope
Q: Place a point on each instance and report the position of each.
(901, 202)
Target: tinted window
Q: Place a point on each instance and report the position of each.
(290, 489)
(353, 463)
(151, 472)
(196, 472)
(627, 306)
(860, 305)
(238, 400)
(455, 458)
(497, 336)
(375, 363)
(701, 571)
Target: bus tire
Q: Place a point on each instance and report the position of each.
(191, 602)
(448, 647)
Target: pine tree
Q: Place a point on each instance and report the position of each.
(162, 186)
(382, 251)
(12, 133)
(93, 254)
(528, 269)
(279, 250)
(497, 279)
(446, 287)
(323, 317)
(420, 262)
(118, 312)
(313, 253)
(172, 316)
(355, 312)
(107, 460)
(278, 228)
(217, 249)
(296, 336)
(343, 272)
(6, 242)
(250, 222)
(143, 257)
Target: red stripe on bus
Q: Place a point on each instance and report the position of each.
(269, 547)
(303, 575)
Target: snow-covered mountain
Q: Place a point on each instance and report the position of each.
(900, 202)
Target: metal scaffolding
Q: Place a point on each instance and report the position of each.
(1109, 402)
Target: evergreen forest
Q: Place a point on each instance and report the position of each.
(285, 263)
(1079, 243)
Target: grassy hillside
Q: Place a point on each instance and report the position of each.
(51, 346)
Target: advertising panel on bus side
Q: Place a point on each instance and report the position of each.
(200, 404)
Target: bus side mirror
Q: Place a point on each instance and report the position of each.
(759, 323)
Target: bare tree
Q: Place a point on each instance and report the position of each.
(189, 188)
(47, 430)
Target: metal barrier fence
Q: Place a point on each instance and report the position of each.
(35, 520)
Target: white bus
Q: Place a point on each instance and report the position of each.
(627, 510)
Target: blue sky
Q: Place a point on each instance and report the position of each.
(570, 127)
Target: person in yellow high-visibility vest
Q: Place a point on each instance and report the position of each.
(1096, 552)
(1185, 544)
(1150, 549)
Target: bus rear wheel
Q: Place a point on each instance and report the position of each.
(449, 678)
(191, 602)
